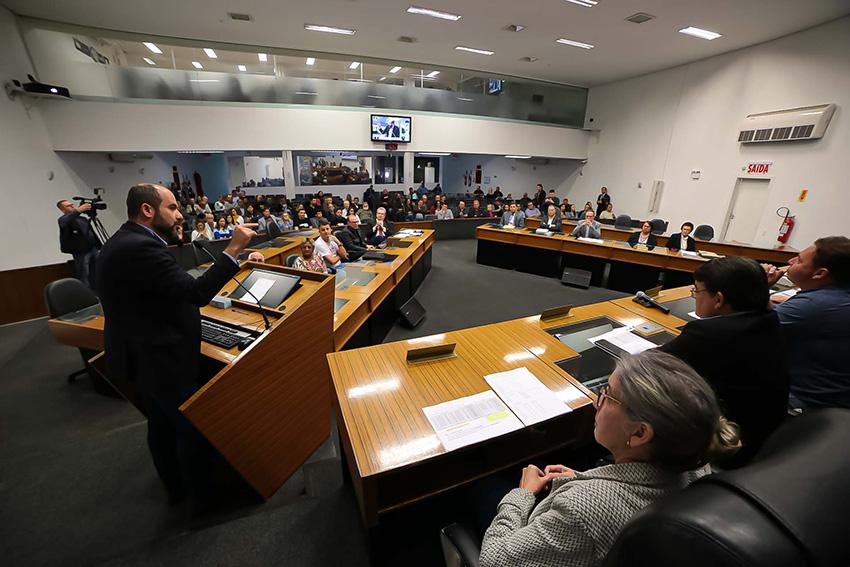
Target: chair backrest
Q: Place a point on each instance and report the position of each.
(704, 232)
(787, 507)
(290, 260)
(658, 226)
(66, 296)
(623, 221)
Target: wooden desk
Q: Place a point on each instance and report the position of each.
(665, 320)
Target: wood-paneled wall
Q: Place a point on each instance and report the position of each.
(22, 291)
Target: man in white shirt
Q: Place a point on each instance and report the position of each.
(220, 205)
(383, 228)
(328, 247)
(589, 228)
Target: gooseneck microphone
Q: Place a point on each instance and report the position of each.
(198, 244)
(643, 299)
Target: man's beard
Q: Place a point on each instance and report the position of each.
(166, 231)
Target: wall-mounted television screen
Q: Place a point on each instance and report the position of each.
(494, 86)
(391, 128)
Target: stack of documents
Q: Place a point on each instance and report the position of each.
(624, 339)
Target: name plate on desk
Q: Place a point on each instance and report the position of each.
(556, 313)
(594, 240)
(429, 353)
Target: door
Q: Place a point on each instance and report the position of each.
(746, 210)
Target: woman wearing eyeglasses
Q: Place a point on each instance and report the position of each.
(661, 423)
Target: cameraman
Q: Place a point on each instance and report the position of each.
(77, 238)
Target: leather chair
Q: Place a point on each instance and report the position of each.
(623, 221)
(658, 226)
(290, 260)
(704, 232)
(788, 507)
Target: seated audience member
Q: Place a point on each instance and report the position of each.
(210, 222)
(194, 209)
(303, 221)
(338, 217)
(382, 229)
(205, 204)
(329, 247)
(738, 347)
(234, 218)
(643, 237)
(589, 207)
(572, 214)
(250, 214)
(662, 424)
(445, 213)
(564, 209)
(364, 214)
(608, 213)
(317, 219)
(683, 240)
(531, 210)
(513, 217)
(461, 210)
(552, 220)
(816, 323)
(309, 260)
(476, 212)
(286, 222)
(588, 228)
(352, 240)
(478, 191)
(200, 231)
(490, 211)
(267, 220)
(222, 229)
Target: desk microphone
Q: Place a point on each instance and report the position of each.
(198, 244)
(643, 299)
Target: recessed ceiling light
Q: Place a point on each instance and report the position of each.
(262, 57)
(464, 99)
(519, 157)
(311, 61)
(435, 154)
(197, 65)
(697, 32)
(329, 29)
(395, 69)
(382, 79)
(200, 151)
(148, 60)
(305, 93)
(473, 50)
(585, 3)
(203, 80)
(433, 13)
(574, 43)
(152, 47)
(242, 68)
(376, 96)
(432, 74)
(210, 53)
(354, 65)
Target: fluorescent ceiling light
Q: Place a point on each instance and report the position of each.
(311, 61)
(152, 47)
(382, 79)
(697, 32)
(519, 157)
(328, 29)
(395, 69)
(197, 65)
(148, 60)
(200, 151)
(473, 50)
(435, 154)
(305, 93)
(263, 57)
(433, 13)
(585, 3)
(354, 65)
(210, 53)
(574, 43)
(242, 67)
(377, 96)
(203, 80)
(464, 99)
(432, 74)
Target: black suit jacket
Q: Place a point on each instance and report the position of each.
(675, 242)
(153, 331)
(556, 223)
(742, 357)
(651, 242)
(75, 234)
(353, 242)
(389, 230)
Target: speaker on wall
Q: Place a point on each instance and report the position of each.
(412, 312)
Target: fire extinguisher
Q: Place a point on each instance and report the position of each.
(787, 224)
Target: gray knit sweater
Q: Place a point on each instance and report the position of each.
(579, 520)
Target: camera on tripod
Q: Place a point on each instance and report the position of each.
(96, 203)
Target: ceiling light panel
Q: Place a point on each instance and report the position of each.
(210, 53)
(395, 69)
(329, 29)
(585, 3)
(148, 60)
(474, 50)
(574, 43)
(701, 33)
(518, 157)
(242, 68)
(197, 65)
(433, 13)
(432, 74)
(262, 57)
(311, 61)
(354, 65)
(152, 47)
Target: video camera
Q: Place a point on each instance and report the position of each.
(97, 204)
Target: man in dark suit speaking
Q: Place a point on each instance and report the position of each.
(391, 130)
(153, 331)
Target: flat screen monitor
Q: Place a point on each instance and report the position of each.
(271, 288)
(391, 128)
(494, 86)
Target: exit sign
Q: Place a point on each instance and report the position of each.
(758, 167)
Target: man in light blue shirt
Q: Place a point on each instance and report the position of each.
(532, 211)
(816, 322)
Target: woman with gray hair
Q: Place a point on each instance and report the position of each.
(661, 422)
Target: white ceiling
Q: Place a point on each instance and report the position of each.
(623, 49)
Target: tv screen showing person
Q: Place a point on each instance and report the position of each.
(391, 128)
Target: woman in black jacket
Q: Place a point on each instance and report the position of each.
(643, 237)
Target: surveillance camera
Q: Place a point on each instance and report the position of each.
(36, 89)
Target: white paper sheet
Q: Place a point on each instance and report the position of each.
(526, 395)
(543, 231)
(595, 240)
(472, 419)
(688, 253)
(626, 340)
(260, 288)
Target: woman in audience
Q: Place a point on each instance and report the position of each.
(200, 231)
(365, 215)
(222, 229)
(308, 260)
(564, 209)
(571, 213)
(287, 223)
(608, 213)
(234, 219)
(644, 237)
(737, 346)
(683, 240)
(588, 207)
(662, 424)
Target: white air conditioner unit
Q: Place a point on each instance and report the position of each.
(806, 123)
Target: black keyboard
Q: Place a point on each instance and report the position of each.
(221, 335)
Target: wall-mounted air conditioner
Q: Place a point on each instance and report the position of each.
(807, 123)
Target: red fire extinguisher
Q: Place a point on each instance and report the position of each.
(787, 224)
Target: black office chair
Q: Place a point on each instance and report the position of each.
(704, 232)
(290, 260)
(623, 221)
(788, 507)
(658, 226)
(66, 296)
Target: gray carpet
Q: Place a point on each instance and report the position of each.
(78, 486)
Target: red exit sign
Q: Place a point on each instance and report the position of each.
(759, 167)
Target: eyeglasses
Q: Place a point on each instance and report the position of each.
(695, 291)
(604, 395)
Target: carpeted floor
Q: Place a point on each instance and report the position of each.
(78, 486)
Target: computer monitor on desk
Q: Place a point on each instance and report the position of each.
(270, 288)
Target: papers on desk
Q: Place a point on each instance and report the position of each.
(543, 231)
(594, 240)
(408, 232)
(526, 396)
(472, 419)
(624, 339)
(260, 288)
(689, 253)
